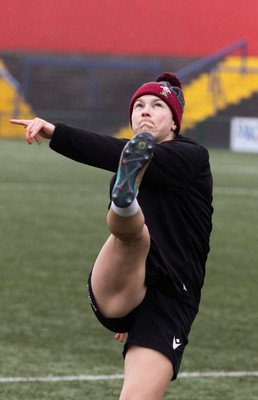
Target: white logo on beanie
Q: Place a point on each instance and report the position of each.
(165, 91)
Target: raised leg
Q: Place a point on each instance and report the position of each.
(118, 276)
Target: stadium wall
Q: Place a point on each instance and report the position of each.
(136, 27)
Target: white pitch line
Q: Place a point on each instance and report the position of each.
(51, 378)
(217, 374)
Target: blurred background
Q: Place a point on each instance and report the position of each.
(80, 62)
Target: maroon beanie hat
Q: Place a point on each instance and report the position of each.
(169, 89)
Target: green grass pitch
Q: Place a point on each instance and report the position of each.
(52, 218)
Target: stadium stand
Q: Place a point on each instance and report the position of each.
(77, 90)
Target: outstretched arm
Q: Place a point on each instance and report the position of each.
(34, 128)
(83, 146)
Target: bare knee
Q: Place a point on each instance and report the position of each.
(132, 244)
(125, 228)
(125, 237)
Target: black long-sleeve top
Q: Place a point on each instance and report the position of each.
(175, 196)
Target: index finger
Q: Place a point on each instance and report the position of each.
(24, 122)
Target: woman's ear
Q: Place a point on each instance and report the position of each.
(173, 127)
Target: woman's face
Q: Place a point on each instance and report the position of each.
(152, 114)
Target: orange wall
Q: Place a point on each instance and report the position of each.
(135, 27)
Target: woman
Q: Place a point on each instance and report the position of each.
(147, 279)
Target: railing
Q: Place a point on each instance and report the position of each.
(9, 78)
(6, 76)
(207, 63)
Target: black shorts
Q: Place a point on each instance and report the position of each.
(159, 322)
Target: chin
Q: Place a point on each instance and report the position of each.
(147, 129)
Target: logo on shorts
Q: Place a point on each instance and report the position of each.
(176, 343)
(90, 299)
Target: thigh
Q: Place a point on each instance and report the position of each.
(147, 374)
(118, 275)
(121, 325)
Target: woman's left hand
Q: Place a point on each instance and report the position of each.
(121, 336)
